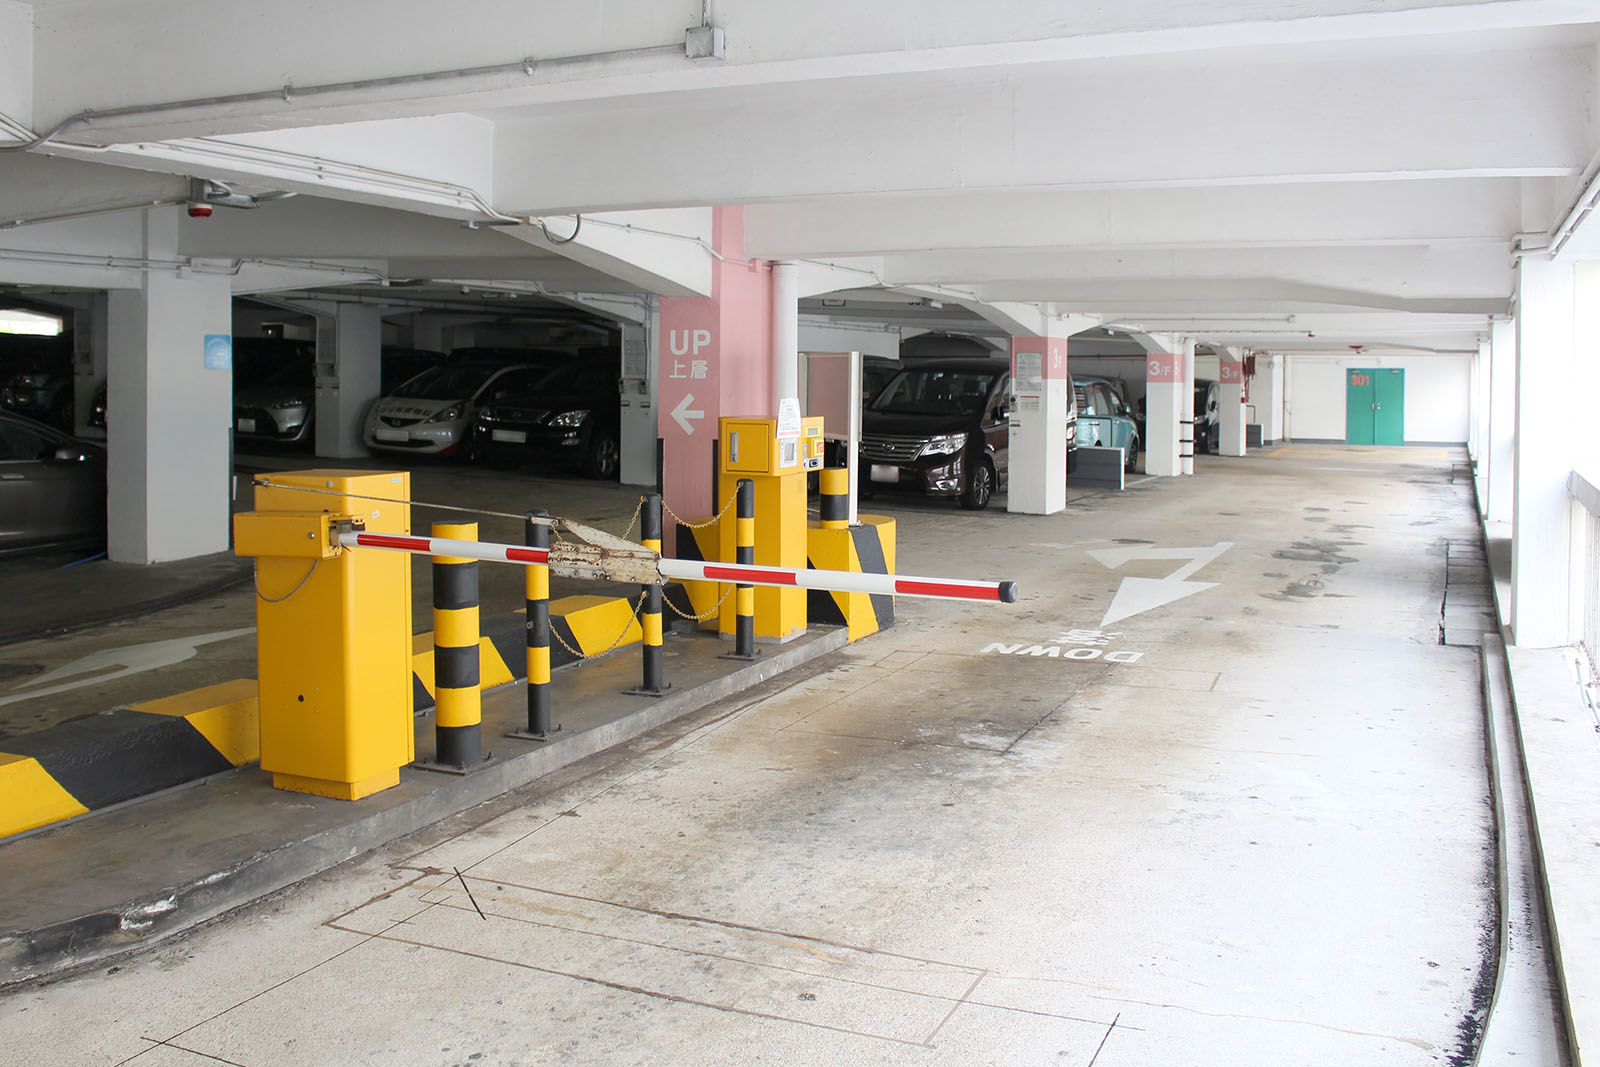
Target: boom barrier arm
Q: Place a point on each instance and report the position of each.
(616, 560)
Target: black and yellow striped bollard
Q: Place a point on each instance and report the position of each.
(744, 604)
(536, 590)
(834, 485)
(653, 683)
(457, 700)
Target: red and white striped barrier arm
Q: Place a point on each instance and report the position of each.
(839, 581)
(698, 571)
(444, 546)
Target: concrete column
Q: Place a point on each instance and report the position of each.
(427, 332)
(349, 370)
(1541, 550)
(171, 399)
(1230, 401)
(1164, 390)
(1037, 463)
(1186, 404)
(785, 335)
(1269, 388)
(713, 359)
(639, 429)
(1501, 444)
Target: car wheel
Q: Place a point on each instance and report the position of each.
(980, 487)
(603, 458)
(1132, 462)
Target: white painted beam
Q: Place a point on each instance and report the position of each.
(1253, 216)
(16, 69)
(663, 252)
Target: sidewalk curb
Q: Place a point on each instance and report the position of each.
(29, 954)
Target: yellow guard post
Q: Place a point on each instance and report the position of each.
(333, 632)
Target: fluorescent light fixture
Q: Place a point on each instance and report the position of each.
(16, 321)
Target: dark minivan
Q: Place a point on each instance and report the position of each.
(941, 428)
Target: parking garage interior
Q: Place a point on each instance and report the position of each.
(1232, 366)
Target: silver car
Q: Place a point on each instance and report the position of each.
(52, 487)
(433, 412)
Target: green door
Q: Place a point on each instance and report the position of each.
(1389, 411)
(1375, 406)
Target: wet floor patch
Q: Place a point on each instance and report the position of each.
(1316, 552)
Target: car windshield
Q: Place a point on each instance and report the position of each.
(574, 377)
(289, 374)
(934, 391)
(445, 383)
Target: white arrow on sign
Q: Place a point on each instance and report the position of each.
(682, 413)
(1135, 595)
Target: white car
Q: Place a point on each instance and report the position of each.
(433, 412)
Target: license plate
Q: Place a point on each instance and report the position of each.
(514, 437)
(399, 436)
(247, 425)
(882, 472)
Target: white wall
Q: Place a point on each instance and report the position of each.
(1438, 396)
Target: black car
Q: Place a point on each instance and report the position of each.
(36, 378)
(940, 428)
(281, 408)
(571, 417)
(52, 487)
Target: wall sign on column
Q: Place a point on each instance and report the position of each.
(689, 366)
(219, 351)
(1164, 369)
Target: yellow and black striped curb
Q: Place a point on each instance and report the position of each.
(100, 760)
(95, 761)
(587, 623)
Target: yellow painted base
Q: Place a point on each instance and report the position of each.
(838, 549)
(780, 541)
(322, 787)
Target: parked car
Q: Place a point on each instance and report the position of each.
(402, 364)
(1207, 433)
(876, 372)
(571, 416)
(36, 378)
(1105, 419)
(52, 487)
(433, 413)
(940, 428)
(281, 408)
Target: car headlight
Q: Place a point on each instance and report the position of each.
(292, 402)
(570, 418)
(449, 414)
(945, 444)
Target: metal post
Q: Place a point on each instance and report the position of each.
(457, 700)
(744, 626)
(536, 585)
(650, 536)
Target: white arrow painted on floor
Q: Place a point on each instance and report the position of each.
(133, 659)
(1136, 595)
(683, 414)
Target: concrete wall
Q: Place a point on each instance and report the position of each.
(1438, 396)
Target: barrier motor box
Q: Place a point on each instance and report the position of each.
(753, 446)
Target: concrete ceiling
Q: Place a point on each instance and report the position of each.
(1299, 175)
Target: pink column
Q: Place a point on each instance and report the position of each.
(715, 360)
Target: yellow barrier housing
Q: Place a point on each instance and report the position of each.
(333, 631)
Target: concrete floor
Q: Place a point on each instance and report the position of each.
(1250, 825)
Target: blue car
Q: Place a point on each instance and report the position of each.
(1104, 418)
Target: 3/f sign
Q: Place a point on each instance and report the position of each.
(688, 342)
